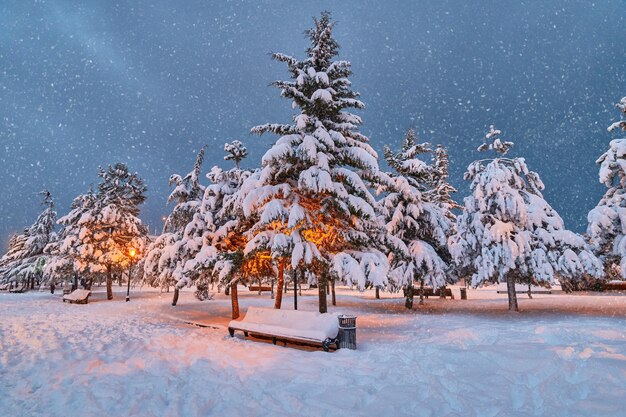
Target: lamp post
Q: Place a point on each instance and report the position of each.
(131, 254)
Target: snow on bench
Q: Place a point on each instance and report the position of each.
(77, 296)
(303, 327)
(523, 289)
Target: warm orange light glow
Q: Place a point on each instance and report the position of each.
(132, 252)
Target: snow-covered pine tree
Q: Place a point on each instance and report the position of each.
(218, 234)
(66, 255)
(235, 151)
(422, 225)
(607, 224)
(442, 190)
(164, 261)
(187, 195)
(111, 226)
(509, 233)
(312, 201)
(21, 263)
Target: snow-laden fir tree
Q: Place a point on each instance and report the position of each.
(235, 151)
(164, 260)
(66, 257)
(23, 262)
(111, 226)
(509, 233)
(187, 194)
(215, 237)
(607, 221)
(417, 211)
(311, 199)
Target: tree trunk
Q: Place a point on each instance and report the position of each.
(321, 291)
(280, 285)
(377, 293)
(421, 291)
(408, 302)
(109, 283)
(510, 287)
(227, 290)
(119, 279)
(90, 283)
(530, 295)
(234, 300)
(333, 295)
(295, 289)
(175, 299)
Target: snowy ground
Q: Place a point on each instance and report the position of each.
(563, 355)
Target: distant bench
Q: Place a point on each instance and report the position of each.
(293, 326)
(430, 292)
(259, 288)
(77, 296)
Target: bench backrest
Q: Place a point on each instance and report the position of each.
(293, 319)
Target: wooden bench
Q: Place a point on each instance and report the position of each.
(526, 292)
(615, 286)
(430, 292)
(293, 326)
(77, 296)
(21, 289)
(259, 288)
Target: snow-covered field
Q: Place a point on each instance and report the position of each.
(563, 355)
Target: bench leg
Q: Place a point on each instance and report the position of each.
(326, 345)
(245, 334)
(231, 332)
(273, 340)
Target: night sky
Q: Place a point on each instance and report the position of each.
(89, 83)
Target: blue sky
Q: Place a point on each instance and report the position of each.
(84, 84)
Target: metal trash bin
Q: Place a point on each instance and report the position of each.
(463, 293)
(347, 331)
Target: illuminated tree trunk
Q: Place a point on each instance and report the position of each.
(280, 285)
(321, 290)
(175, 299)
(234, 300)
(510, 287)
(109, 282)
(421, 291)
(333, 297)
(377, 293)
